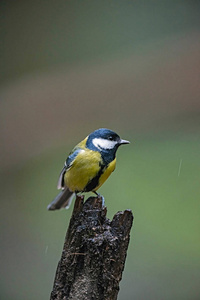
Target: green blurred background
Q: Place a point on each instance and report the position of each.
(67, 68)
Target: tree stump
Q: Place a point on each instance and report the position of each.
(94, 253)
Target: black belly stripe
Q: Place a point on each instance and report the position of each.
(94, 182)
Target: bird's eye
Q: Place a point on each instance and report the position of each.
(110, 138)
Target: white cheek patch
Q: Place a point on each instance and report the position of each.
(103, 143)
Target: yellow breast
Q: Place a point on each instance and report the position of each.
(110, 168)
(84, 168)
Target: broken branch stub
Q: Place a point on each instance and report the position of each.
(94, 253)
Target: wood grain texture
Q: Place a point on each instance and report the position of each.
(94, 253)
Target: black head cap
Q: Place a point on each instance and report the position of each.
(104, 139)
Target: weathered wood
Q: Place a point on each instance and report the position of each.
(94, 253)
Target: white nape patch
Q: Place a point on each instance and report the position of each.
(103, 143)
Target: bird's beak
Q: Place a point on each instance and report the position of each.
(121, 142)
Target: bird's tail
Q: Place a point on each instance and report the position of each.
(63, 199)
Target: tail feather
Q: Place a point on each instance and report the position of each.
(63, 199)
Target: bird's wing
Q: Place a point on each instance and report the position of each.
(68, 163)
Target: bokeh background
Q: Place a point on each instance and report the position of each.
(67, 68)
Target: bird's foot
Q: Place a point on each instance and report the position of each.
(100, 197)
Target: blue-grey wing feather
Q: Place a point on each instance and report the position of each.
(68, 163)
(71, 158)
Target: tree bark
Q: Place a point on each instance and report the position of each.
(94, 253)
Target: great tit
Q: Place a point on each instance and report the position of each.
(88, 166)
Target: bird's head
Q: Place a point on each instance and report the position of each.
(104, 140)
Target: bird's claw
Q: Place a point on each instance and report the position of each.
(99, 196)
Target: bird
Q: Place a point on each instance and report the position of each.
(88, 166)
